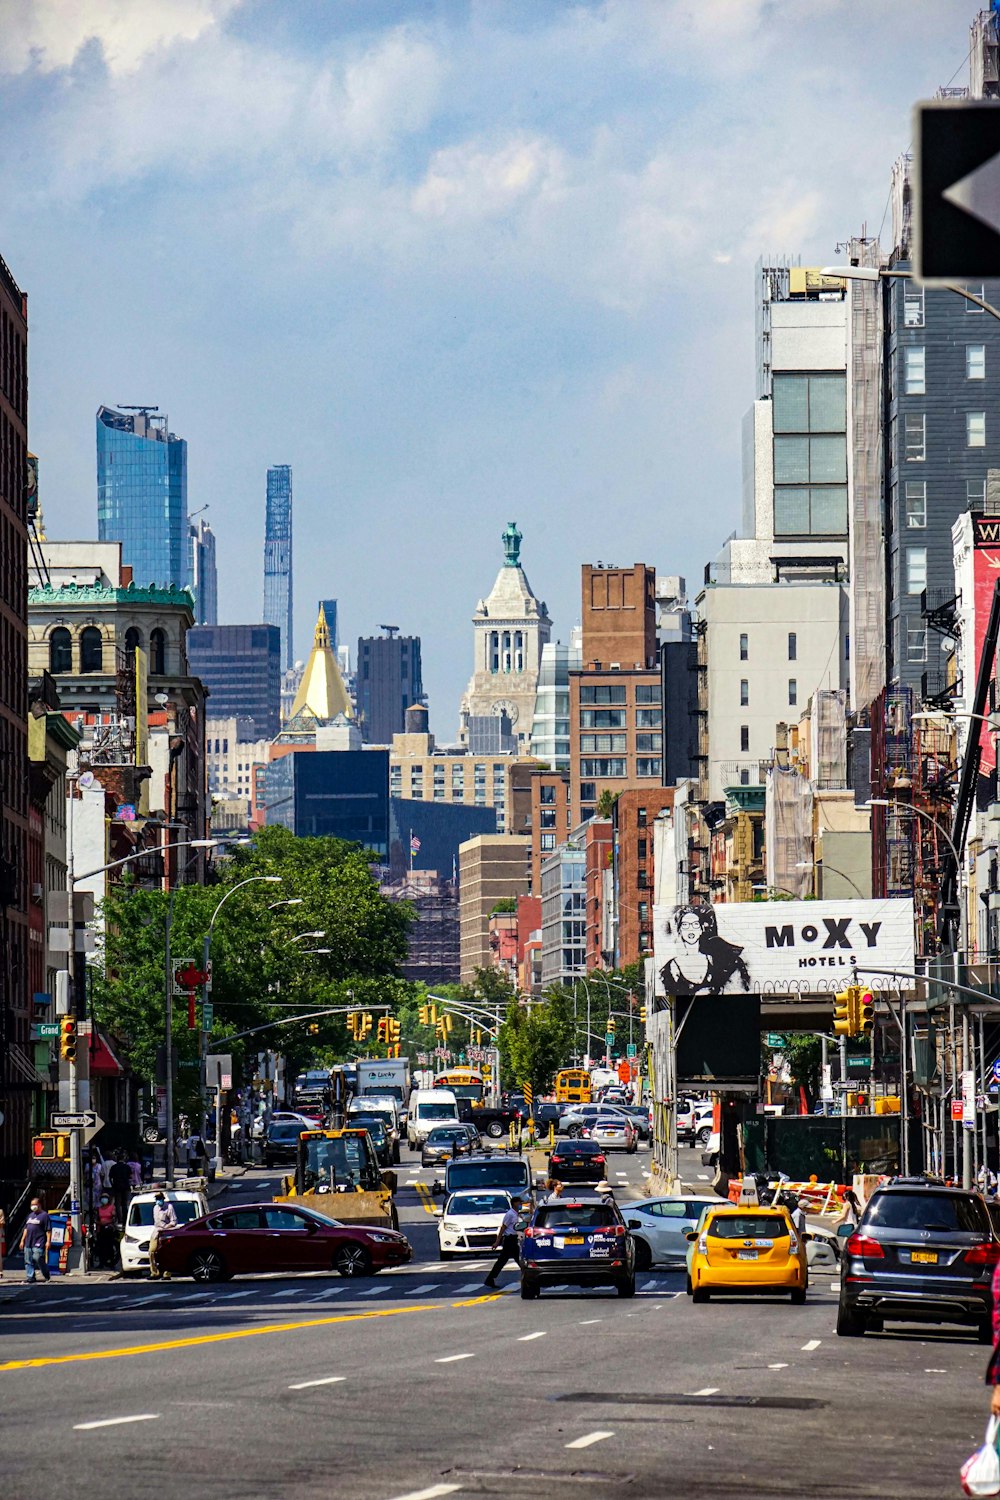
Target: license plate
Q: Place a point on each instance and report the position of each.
(746, 1255)
(573, 1239)
(924, 1257)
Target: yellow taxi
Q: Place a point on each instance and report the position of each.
(746, 1250)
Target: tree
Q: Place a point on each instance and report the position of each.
(259, 973)
(536, 1040)
(606, 803)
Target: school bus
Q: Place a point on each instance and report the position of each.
(573, 1086)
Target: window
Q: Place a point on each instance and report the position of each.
(546, 795)
(643, 912)
(60, 650)
(647, 765)
(977, 291)
(916, 570)
(916, 504)
(157, 653)
(647, 692)
(975, 429)
(975, 361)
(641, 848)
(133, 640)
(548, 841)
(744, 776)
(91, 649)
(793, 646)
(642, 880)
(605, 744)
(793, 691)
(649, 742)
(744, 648)
(916, 644)
(744, 738)
(602, 718)
(606, 693)
(913, 305)
(975, 491)
(604, 769)
(810, 455)
(744, 692)
(648, 718)
(641, 817)
(588, 792)
(915, 437)
(913, 370)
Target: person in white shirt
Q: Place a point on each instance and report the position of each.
(506, 1242)
(164, 1217)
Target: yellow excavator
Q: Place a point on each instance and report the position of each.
(337, 1173)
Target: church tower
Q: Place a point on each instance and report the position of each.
(510, 627)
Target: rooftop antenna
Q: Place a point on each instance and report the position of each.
(390, 630)
(145, 409)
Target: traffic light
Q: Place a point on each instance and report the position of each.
(611, 1026)
(383, 1029)
(352, 1023)
(642, 1014)
(67, 1038)
(479, 1037)
(843, 1013)
(314, 1029)
(865, 1015)
(366, 1025)
(393, 1033)
(423, 1011)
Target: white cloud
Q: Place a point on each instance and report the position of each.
(474, 181)
(49, 34)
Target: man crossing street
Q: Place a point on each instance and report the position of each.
(506, 1242)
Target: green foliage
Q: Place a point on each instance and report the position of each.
(606, 803)
(259, 973)
(505, 905)
(804, 1056)
(536, 1040)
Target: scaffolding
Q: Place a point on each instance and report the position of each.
(788, 817)
(828, 739)
(867, 555)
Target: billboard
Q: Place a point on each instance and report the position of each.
(781, 947)
(986, 570)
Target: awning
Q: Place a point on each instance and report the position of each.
(103, 1062)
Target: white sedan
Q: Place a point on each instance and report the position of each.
(613, 1132)
(470, 1222)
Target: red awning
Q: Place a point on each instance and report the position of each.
(103, 1062)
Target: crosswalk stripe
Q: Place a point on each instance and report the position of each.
(418, 1291)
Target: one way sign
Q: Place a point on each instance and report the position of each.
(957, 198)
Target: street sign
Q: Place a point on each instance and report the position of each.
(968, 1079)
(42, 1029)
(207, 1015)
(609, 1039)
(88, 1121)
(957, 191)
(956, 1109)
(631, 1050)
(777, 1040)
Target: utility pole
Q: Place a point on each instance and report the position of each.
(66, 1005)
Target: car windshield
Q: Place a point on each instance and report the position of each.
(946, 1212)
(284, 1133)
(607, 1121)
(444, 1133)
(579, 1148)
(339, 1162)
(500, 1174)
(375, 1127)
(575, 1216)
(478, 1203)
(437, 1112)
(142, 1213)
(747, 1227)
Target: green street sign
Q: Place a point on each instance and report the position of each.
(207, 1016)
(609, 1039)
(776, 1039)
(43, 1029)
(631, 1050)
(188, 1062)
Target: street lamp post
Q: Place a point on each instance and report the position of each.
(821, 865)
(205, 960)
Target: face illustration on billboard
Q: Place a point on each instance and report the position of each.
(702, 963)
(788, 947)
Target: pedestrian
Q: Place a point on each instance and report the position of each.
(120, 1179)
(135, 1169)
(506, 1242)
(36, 1237)
(798, 1217)
(106, 1244)
(555, 1189)
(164, 1217)
(196, 1153)
(850, 1213)
(605, 1191)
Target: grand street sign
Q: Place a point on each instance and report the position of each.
(957, 191)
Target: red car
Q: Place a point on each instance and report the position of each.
(276, 1237)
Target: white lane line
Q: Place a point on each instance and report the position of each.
(305, 1385)
(812, 1344)
(526, 1338)
(231, 1296)
(935, 1372)
(589, 1439)
(470, 1286)
(334, 1291)
(703, 1177)
(709, 1390)
(645, 1173)
(622, 1175)
(419, 1291)
(433, 1493)
(649, 1286)
(835, 1286)
(450, 1359)
(149, 1416)
(293, 1292)
(777, 1367)
(94, 1300)
(376, 1291)
(585, 1322)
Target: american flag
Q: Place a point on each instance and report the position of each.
(414, 844)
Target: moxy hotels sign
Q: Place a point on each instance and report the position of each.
(781, 947)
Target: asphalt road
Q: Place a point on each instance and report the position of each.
(420, 1383)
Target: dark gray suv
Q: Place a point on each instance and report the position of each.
(922, 1253)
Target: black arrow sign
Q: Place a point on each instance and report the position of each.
(957, 209)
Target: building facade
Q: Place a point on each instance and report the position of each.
(634, 864)
(389, 680)
(551, 818)
(510, 628)
(204, 574)
(564, 918)
(550, 724)
(19, 1081)
(278, 558)
(490, 869)
(241, 667)
(142, 494)
(421, 770)
(343, 793)
(232, 754)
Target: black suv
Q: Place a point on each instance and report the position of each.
(922, 1253)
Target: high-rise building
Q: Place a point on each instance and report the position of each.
(550, 724)
(16, 1059)
(491, 868)
(142, 494)
(203, 573)
(241, 667)
(389, 681)
(278, 557)
(511, 627)
(343, 793)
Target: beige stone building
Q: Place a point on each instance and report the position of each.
(426, 772)
(491, 868)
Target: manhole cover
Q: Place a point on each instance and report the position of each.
(771, 1403)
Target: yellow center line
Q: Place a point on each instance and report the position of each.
(235, 1333)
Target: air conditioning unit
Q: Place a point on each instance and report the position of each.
(37, 892)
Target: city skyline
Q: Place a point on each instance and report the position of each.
(563, 381)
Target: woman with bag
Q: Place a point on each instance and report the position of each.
(980, 1474)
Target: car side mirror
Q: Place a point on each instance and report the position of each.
(439, 1213)
(691, 1235)
(634, 1223)
(844, 1231)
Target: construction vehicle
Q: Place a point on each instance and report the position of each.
(337, 1174)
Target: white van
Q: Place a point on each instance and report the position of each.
(428, 1109)
(189, 1203)
(378, 1104)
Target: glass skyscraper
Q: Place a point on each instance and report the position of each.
(203, 574)
(278, 557)
(142, 494)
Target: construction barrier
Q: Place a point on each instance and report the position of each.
(815, 1197)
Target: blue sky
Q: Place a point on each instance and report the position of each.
(457, 263)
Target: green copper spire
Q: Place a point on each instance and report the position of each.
(511, 539)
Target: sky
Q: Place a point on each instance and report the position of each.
(458, 262)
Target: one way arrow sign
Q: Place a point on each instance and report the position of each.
(957, 191)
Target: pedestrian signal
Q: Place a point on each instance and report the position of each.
(43, 1148)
